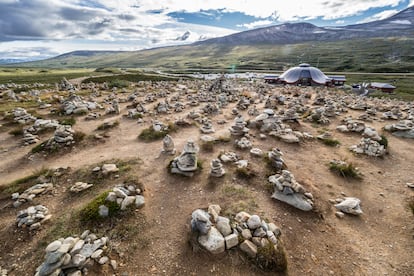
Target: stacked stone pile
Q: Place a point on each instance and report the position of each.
(21, 116)
(30, 193)
(239, 128)
(124, 195)
(217, 169)
(249, 233)
(369, 147)
(404, 128)
(73, 255)
(351, 125)
(33, 217)
(186, 163)
(288, 190)
(276, 160)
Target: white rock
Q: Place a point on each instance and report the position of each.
(254, 222)
(139, 201)
(223, 225)
(231, 240)
(249, 248)
(213, 241)
(53, 246)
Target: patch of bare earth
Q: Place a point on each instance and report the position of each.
(154, 240)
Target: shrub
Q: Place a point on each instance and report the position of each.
(207, 146)
(39, 147)
(330, 142)
(383, 141)
(90, 212)
(16, 132)
(108, 125)
(271, 257)
(118, 84)
(344, 169)
(78, 136)
(245, 173)
(68, 121)
(149, 134)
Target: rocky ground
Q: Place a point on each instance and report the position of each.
(154, 238)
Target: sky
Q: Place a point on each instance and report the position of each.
(39, 29)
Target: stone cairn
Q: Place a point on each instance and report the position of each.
(243, 143)
(239, 128)
(228, 157)
(369, 147)
(33, 217)
(73, 255)
(206, 126)
(217, 169)
(123, 195)
(168, 145)
(351, 125)
(249, 233)
(276, 160)
(186, 163)
(288, 190)
(30, 193)
(21, 116)
(404, 129)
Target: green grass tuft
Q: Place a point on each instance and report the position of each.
(270, 258)
(68, 121)
(108, 125)
(149, 134)
(90, 213)
(330, 142)
(345, 170)
(383, 141)
(16, 131)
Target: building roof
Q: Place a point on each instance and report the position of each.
(304, 70)
(382, 85)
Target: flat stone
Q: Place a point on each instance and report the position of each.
(339, 214)
(296, 200)
(77, 247)
(97, 254)
(113, 264)
(109, 168)
(103, 260)
(127, 202)
(213, 241)
(231, 241)
(249, 248)
(53, 246)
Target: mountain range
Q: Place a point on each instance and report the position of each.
(379, 46)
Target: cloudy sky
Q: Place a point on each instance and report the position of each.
(36, 29)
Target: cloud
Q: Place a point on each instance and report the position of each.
(340, 22)
(255, 24)
(379, 16)
(65, 25)
(286, 11)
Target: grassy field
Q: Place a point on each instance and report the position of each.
(42, 75)
(359, 55)
(403, 82)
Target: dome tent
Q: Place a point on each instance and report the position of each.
(304, 74)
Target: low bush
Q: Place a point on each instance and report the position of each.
(345, 170)
(108, 125)
(90, 213)
(271, 257)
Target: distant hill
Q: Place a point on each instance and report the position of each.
(380, 46)
(401, 24)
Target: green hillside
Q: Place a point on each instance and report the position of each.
(359, 55)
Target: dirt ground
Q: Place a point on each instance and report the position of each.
(154, 239)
